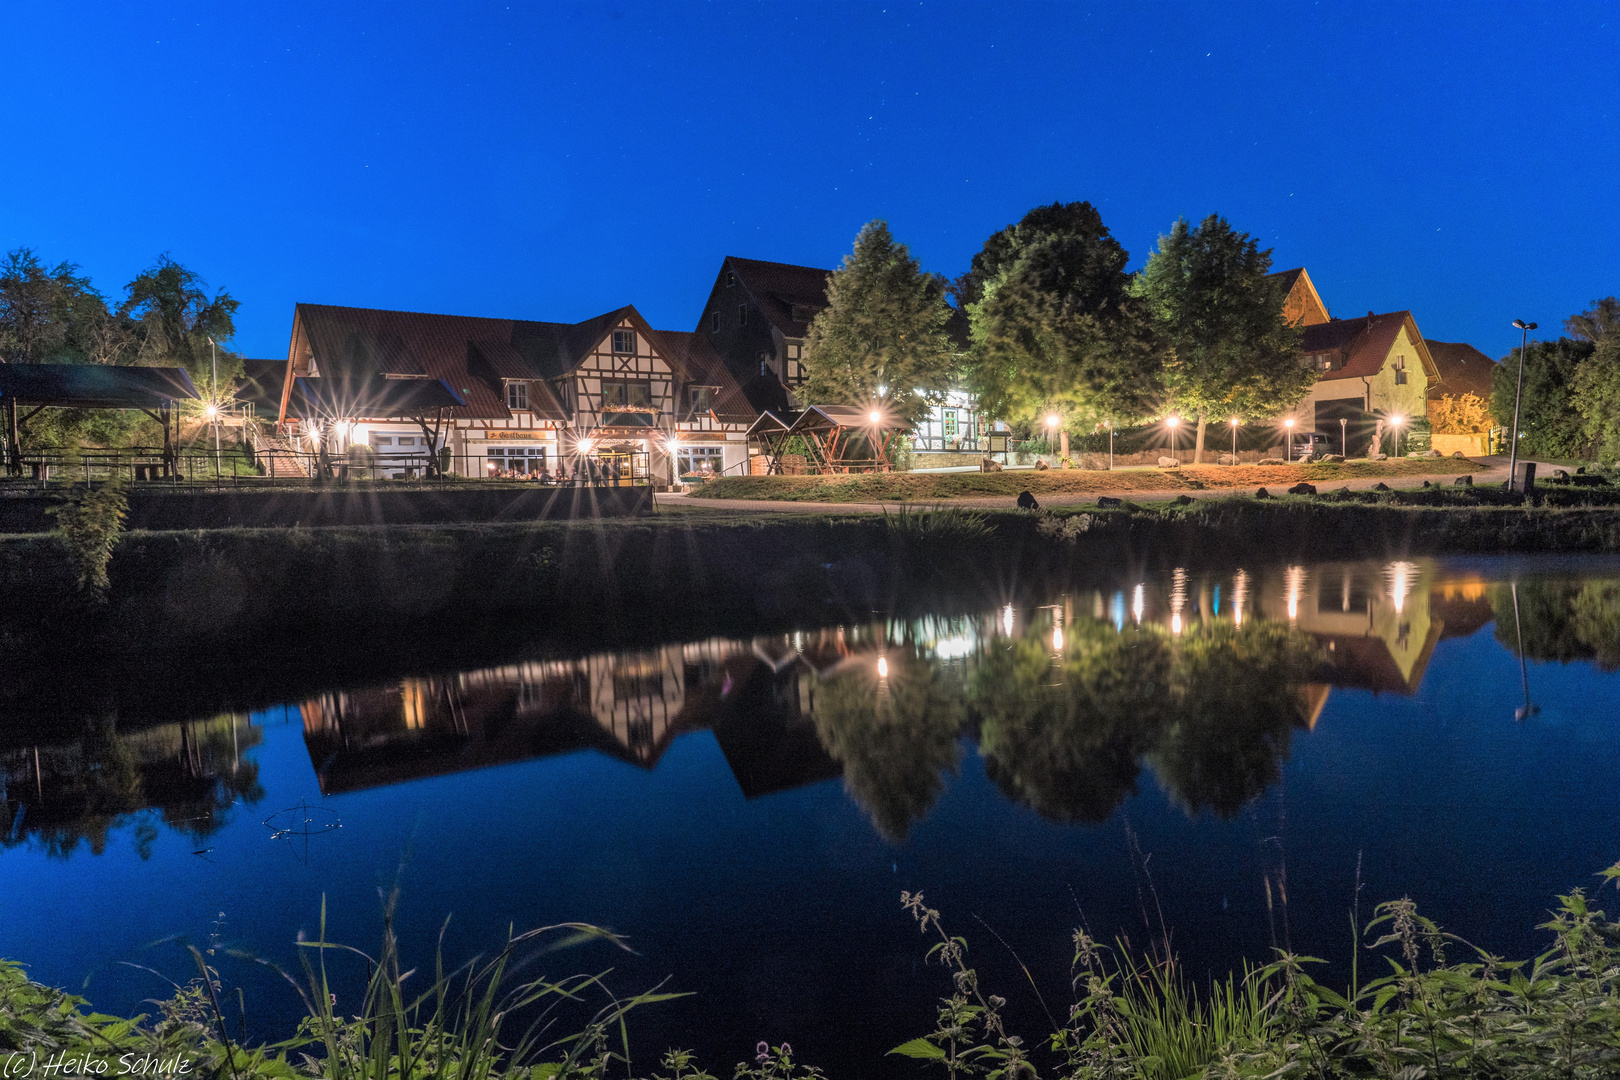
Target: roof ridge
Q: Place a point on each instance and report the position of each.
(448, 315)
(770, 262)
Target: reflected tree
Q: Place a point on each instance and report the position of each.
(1561, 620)
(895, 736)
(1230, 716)
(1062, 734)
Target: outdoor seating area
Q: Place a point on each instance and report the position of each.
(827, 439)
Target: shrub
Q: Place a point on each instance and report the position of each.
(90, 527)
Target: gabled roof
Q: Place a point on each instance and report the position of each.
(94, 386)
(470, 354)
(1302, 304)
(826, 417)
(261, 383)
(769, 424)
(778, 288)
(375, 398)
(1463, 370)
(706, 367)
(1364, 343)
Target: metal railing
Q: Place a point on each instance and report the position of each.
(249, 465)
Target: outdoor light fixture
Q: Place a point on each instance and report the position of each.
(1054, 420)
(1172, 422)
(1518, 393)
(874, 416)
(1289, 424)
(883, 667)
(585, 446)
(1234, 422)
(1395, 422)
(882, 390)
(213, 412)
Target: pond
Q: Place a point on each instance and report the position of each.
(1236, 761)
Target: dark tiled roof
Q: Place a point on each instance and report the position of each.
(1364, 343)
(261, 382)
(1287, 278)
(706, 367)
(471, 354)
(1463, 370)
(375, 398)
(94, 386)
(780, 288)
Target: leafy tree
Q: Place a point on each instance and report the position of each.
(1550, 423)
(1460, 415)
(1230, 350)
(884, 326)
(50, 314)
(1599, 321)
(175, 317)
(1053, 324)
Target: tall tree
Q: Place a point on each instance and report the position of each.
(1594, 324)
(1549, 421)
(1230, 350)
(48, 314)
(882, 334)
(175, 318)
(1597, 396)
(1053, 323)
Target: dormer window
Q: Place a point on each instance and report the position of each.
(731, 279)
(702, 399)
(517, 396)
(803, 312)
(624, 342)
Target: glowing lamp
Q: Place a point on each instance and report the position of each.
(883, 667)
(1397, 420)
(1234, 421)
(1172, 421)
(213, 412)
(585, 446)
(874, 416)
(1288, 422)
(1054, 420)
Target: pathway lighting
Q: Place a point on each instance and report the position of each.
(883, 667)
(1395, 423)
(1518, 393)
(875, 416)
(585, 446)
(1234, 422)
(1289, 424)
(1172, 422)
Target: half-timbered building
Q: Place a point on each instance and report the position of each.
(538, 395)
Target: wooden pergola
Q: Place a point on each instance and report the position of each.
(771, 432)
(27, 389)
(847, 438)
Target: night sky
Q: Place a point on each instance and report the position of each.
(557, 161)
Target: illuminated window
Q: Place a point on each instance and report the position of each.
(624, 341)
(517, 395)
(621, 394)
(731, 279)
(950, 422)
(702, 399)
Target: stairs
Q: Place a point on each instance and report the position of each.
(278, 458)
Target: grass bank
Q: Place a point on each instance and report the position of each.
(1431, 1005)
(926, 487)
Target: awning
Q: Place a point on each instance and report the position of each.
(375, 398)
(95, 386)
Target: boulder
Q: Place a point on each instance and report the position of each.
(1026, 501)
(1463, 481)
(1105, 502)
(1262, 494)
(1343, 491)
(1427, 484)
(1377, 457)
(1272, 461)
(1226, 459)
(1041, 465)
(1181, 500)
(1432, 453)
(1560, 474)
(1380, 486)
(1169, 463)
(1334, 458)
(1458, 453)
(1302, 488)
(989, 465)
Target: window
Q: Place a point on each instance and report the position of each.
(382, 440)
(699, 460)
(714, 321)
(624, 341)
(793, 351)
(517, 395)
(731, 279)
(742, 314)
(803, 312)
(517, 459)
(764, 367)
(620, 395)
(1323, 361)
(702, 399)
(950, 422)
(1400, 370)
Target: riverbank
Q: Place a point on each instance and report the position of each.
(243, 616)
(1048, 484)
(1446, 1009)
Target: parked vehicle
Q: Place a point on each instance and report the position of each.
(1309, 444)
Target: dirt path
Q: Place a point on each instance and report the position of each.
(1482, 474)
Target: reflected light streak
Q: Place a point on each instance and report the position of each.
(1240, 596)
(883, 667)
(1294, 581)
(1007, 620)
(1402, 576)
(1138, 603)
(1057, 639)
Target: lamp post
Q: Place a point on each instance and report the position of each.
(1172, 422)
(1289, 425)
(213, 398)
(1395, 423)
(1110, 446)
(1528, 710)
(1052, 422)
(1518, 394)
(1344, 438)
(1234, 422)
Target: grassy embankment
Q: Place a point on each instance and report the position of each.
(1431, 1005)
(928, 487)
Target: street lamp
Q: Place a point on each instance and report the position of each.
(1172, 422)
(1110, 446)
(1234, 422)
(1289, 424)
(1513, 447)
(1344, 438)
(1052, 422)
(1395, 423)
(213, 398)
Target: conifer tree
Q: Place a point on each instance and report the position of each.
(1230, 352)
(882, 337)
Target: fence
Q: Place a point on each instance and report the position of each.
(242, 464)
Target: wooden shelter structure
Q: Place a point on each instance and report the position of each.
(771, 433)
(320, 401)
(28, 389)
(847, 438)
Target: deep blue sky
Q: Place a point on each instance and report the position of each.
(556, 161)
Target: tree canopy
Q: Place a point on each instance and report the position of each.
(1549, 421)
(883, 334)
(1230, 351)
(1053, 324)
(174, 318)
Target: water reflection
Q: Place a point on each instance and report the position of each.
(1203, 680)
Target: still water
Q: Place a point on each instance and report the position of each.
(1223, 757)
